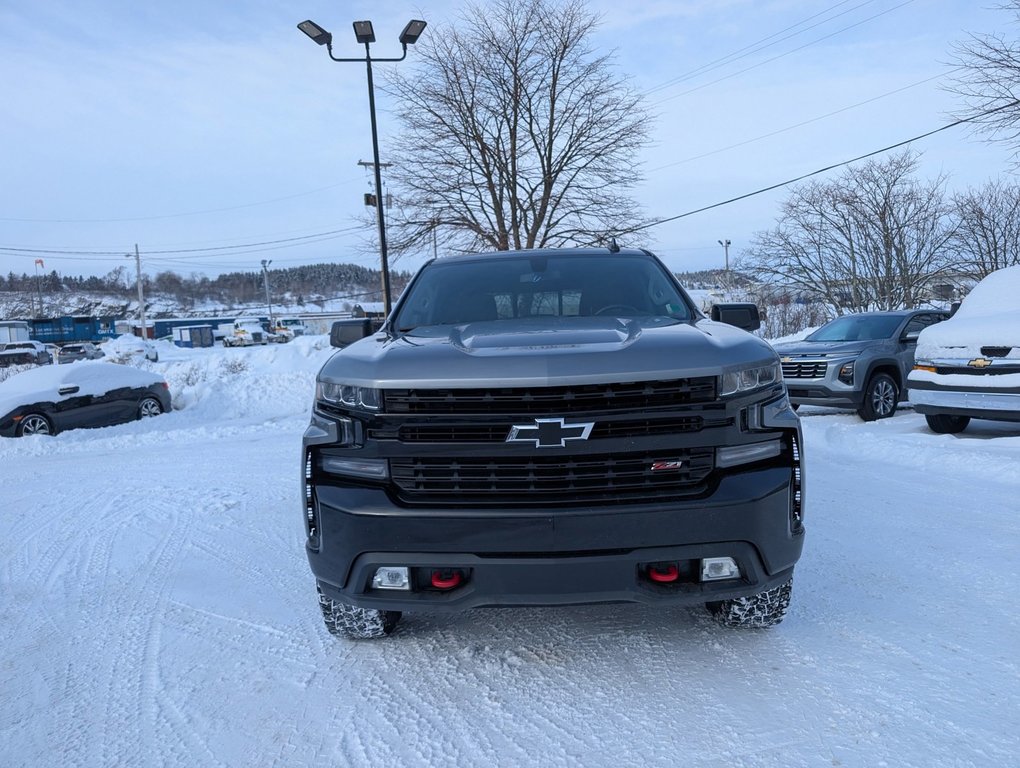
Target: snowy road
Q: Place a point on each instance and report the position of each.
(157, 609)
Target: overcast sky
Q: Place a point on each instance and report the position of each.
(199, 126)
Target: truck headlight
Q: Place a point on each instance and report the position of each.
(349, 396)
(748, 379)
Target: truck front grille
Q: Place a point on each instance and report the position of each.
(497, 433)
(633, 396)
(804, 370)
(543, 480)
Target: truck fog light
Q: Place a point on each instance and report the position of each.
(717, 568)
(373, 469)
(391, 578)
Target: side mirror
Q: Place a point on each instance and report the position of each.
(743, 316)
(911, 337)
(344, 332)
(953, 307)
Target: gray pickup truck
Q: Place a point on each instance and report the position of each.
(858, 361)
(551, 427)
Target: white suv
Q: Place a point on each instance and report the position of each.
(969, 366)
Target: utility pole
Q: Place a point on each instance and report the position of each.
(265, 282)
(38, 285)
(141, 298)
(726, 248)
(376, 165)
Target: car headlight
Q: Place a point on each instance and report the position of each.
(846, 373)
(349, 396)
(748, 379)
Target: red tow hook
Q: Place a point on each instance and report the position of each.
(449, 581)
(663, 574)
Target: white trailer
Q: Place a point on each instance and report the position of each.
(13, 330)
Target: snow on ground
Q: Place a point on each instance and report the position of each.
(157, 609)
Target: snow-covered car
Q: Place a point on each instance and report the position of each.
(86, 351)
(24, 352)
(129, 347)
(969, 366)
(51, 399)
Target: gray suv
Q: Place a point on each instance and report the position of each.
(856, 361)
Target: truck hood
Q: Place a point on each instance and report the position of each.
(546, 352)
(819, 348)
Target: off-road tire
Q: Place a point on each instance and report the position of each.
(762, 610)
(944, 424)
(880, 398)
(356, 623)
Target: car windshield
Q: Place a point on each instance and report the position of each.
(857, 328)
(540, 285)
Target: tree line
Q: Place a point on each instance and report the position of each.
(309, 283)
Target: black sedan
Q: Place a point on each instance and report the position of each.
(44, 401)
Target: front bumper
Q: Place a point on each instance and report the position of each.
(977, 402)
(556, 556)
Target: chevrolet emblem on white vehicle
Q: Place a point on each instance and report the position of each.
(549, 433)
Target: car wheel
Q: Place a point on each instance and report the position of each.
(944, 424)
(880, 398)
(762, 610)
(150, 406)
(356, 623)
(35, 424)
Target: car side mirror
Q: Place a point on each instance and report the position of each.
(743, 316)
(910, 337)
(344, 332)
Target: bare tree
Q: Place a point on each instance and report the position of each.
(988, 78)
(516, 135)
(987, 235)
(874, 238)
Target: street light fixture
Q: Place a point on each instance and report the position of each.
(364, 33)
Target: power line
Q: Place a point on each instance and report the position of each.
(953, 124)
(751, 48)
(294, 240)
(182, 214)
(801, 124)
(781, 55)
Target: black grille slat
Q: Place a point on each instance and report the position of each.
(806, 370)
(554, 400)
(539, 480)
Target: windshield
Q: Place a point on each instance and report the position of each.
(857, 328)
(541, 285)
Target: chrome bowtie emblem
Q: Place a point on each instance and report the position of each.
(549, 433)
(979, 362)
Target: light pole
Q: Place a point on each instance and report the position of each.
(726, 248)
(265, 282)
(364, 33)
